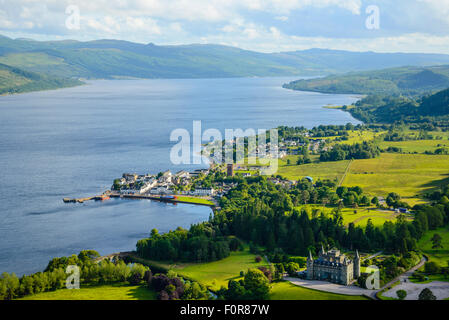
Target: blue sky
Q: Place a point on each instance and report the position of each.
(261, 25)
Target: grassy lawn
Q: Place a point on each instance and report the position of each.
(195, 200)
(324, 170)
(217, 274)
(406, 174)
(106, 292)
(286, 291)
(440, 256)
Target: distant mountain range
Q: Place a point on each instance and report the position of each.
(403, 80)
(28, 65)
(117, 59)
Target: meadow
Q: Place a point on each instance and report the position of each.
(440, 255)
(106, 292)
(323, 170)
(411, 146)
(216, 274)
(409, 175)
(359, 136)
(360, 218)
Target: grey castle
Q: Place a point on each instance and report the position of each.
(334, 267)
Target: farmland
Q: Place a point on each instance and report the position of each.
(409, 175)
(323, 170)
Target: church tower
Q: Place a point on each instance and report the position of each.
(310, 266)
(356, 265)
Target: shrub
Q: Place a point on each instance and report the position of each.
(402, 294)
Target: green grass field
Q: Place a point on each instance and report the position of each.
(217, 274)
(287, 291)
(406, 174)
(361, 217)
(195, 200)
(107, 292)
(324, 170)
(420, 146)
(360, 136)
(440, 256)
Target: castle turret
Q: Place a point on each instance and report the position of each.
(310, 266)
(356, 265)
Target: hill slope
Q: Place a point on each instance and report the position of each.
(432, 108)
(14, 80)
(113, 58)
(404, 80)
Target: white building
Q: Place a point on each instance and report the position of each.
(203, 192)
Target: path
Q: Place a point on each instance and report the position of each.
(403, 277)
(330, 287)
(439, 288)
(346, 172)
(374, 255)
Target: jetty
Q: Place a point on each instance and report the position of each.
(109, 194)
(81, 200)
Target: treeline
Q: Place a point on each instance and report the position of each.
(285, 132)
(264, 215)
(333, 130)
(365, 150)
(203, 242)
(54, 277)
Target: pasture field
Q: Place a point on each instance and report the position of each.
(409, 175)
(286, 291)
(360, 136)
(440, 255)
(378, 217)
(418, 146)
(323, 170)
(216, 274)
(106, 292)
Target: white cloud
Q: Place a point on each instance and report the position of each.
(440, 8)
(264, 25)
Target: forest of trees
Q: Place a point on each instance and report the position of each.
(432, 109)
(54, 277)
(364, 150)
(259, 212)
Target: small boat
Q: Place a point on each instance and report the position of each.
(168, 198)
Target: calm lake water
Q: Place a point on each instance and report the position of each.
(74, 142)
